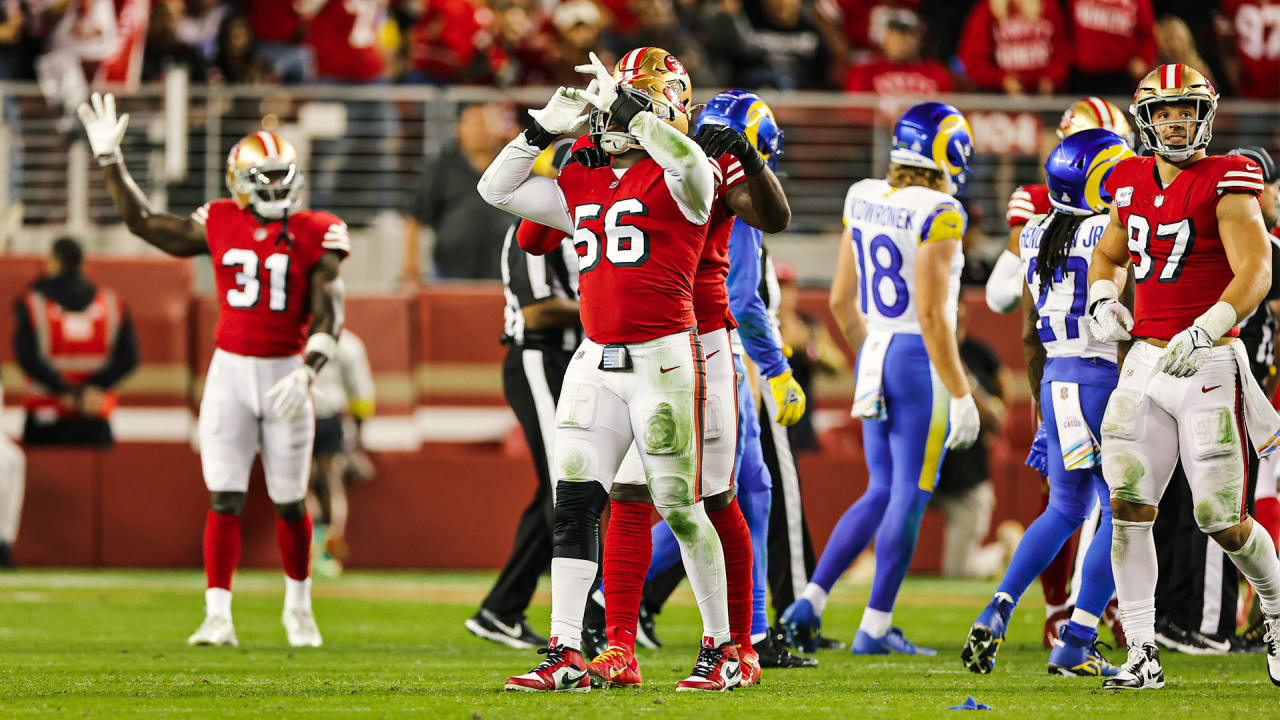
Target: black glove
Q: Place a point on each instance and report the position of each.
(716, 140)
(591, 156)
(539, 136)
(629, 103)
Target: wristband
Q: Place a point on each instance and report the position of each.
(111, 159)
(625, 107)
(322, 343)
(753, 163)
(1217, 320)
(1102, 290)
(539, 136)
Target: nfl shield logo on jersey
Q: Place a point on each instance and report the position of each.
(1159, 200)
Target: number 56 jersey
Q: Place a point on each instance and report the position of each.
(264, 287)
(888, 226)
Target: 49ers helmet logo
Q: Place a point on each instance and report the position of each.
(675, 66)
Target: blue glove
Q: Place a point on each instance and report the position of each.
(1038, 457)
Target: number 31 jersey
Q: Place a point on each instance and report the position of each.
(1061, 306)
(1178, 259)
(264, 288)
(888, 226)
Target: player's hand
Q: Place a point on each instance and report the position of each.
(290, 393)
(603, 89)
(1110, 321)
(104, 129)
(965, 423)
(1186, 352)
(1038, 457)
(717, 140)
(564, 113)
(789, 397)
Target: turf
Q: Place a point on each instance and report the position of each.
(97, 644)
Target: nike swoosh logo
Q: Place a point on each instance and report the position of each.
(664, 371)
(567, 681)
(1204, 389)
(731, 673)
(511, 630)
(712, 355)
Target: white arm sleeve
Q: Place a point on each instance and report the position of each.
(508, 184)
(1004, 287)
(357, 376)
(686, 168)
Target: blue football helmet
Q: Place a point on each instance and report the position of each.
(1078, 168)
(936, 136)
(748, 114)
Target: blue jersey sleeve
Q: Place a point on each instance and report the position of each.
(746, 304)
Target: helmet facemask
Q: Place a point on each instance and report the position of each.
(660, 99)
(273, 188)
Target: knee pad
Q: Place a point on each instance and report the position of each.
(291, 512)
(1125, 470)
(576, 531)
(1120, 419)
(714, 421)
(227, 503)
(668, 430)
(673, 491)
(577, 461)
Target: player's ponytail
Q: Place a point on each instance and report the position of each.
(1055, 245)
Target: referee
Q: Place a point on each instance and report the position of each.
(541, 333)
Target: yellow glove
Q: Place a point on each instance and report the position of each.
(789, 397)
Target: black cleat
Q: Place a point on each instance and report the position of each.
(826, 643)
(512, 632)
(1142, 671)
(594, 638)
(774, 653)
(645, 634)
(1174, 637)
(6, 555)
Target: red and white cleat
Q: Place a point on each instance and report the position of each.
(615, 668)
(564, 670)
(749, 661)
(717, 669)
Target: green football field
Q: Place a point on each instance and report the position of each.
(98, 644)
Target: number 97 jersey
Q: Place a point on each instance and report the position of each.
(263, 286)
(888, 226)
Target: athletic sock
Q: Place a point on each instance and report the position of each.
(294, 539)
(1258, 563)
(666, 551)
(1041, 547)
(876, 623)
(217, 602)
(735, 539)
(1081, 630)
(1134, 564)
(816, 596)
(627, 545)
(297, 594)
(221, 549)
(1268, 513)
(571, 580)
(704, 563)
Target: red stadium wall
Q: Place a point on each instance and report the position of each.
(443, 505)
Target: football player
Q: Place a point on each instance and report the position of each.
(280, 309)
(639, 227)
(1074, 383)
(1190, 225)
(912, 392)
(746, 188)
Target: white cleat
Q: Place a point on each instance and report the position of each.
(301, 627)
(215, 630)
(1272, 640)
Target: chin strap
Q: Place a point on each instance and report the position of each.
(284, 235)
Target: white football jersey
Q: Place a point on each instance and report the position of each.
(888, 226)
(1063, 306)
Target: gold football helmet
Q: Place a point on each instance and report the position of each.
(1092, 113)
(1175, 84)
(263, 173)
(659, 75)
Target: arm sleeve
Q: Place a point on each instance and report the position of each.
(28, 354)
(507, 184)
(124, 356)
(537, 239)
(754, 326)
(685, 167)
(1004, 285)
(357, 376)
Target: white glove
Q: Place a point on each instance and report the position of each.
(105, 131)
(1186, 352)
(964, 423)
(603, 89)
(563, 114)
(1110, 321)
(290, 393)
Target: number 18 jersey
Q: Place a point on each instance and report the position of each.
(888, 226)
(1062, 304)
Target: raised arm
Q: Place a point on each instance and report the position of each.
(178, 236)
(759, 199)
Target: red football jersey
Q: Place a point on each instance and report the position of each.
(1256, 24)
(1178, 258)
(710, 291)
(344, 34)
(637, 252)
(264, 288)
(1026, 201)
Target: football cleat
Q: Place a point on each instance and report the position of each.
(514, 634)
(564, 670)
(300, 626)
(716, 670)
(1085, 661)
(826, 643)
(595, 636)
(1272, 641)
(215, 630)
(1054, 623)
(893, 642)
(1172, 636)
(986, 636)
(801, 624)
(615, 668)
(749, 662)
(645, 634)
(774, 653)
(1142, 671)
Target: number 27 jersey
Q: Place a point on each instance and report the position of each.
(1063, 322)
(888, 226)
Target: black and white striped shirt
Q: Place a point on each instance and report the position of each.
(529, 279)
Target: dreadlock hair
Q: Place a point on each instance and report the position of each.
(1055, 244)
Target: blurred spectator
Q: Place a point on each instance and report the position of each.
(164, 50)
(468, 231)
(657, 25)
(943, 20)
(798, 57)
(279, 30)
(1175, 44)
(732, 53)
(549, 58)
(238, 61)
(343, 35)
(1114, 44)
(13, 482)
(1249, 32)
(83, 34)
(1016, 46)
(75, 342)
(898, 69)
(979, 251)
(455, 42)
(623, 18)
(13, 21)
(199, 26)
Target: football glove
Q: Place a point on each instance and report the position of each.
(1038, 457)
(965, 422)
(290, 393)
(1186, 352)
(603, 89)
(1109, 320)
(716, 140)
(564, 113)
(789, 397)
(104, 129)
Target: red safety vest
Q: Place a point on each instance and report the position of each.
(75, 343)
